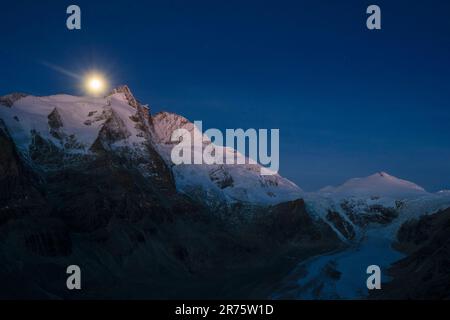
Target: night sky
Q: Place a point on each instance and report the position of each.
(348, 101)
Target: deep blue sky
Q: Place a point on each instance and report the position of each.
(348, 101)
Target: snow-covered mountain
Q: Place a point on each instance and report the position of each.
(63, 118)
(91, 179)
(79, 126)
(379, 199)
(71, 129)
(62, 129)
(380, 184)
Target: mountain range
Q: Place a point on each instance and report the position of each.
(89, 181)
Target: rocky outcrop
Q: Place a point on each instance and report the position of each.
(221, 178)
(113, 130)
(342, 225)
(55, 124)
(10, 99)
(362, 214)
(44, 152)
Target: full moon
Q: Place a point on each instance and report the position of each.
(95, 84)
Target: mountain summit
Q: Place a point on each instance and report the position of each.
(380, 184)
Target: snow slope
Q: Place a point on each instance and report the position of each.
(220, 183)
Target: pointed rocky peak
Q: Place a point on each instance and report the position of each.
(132, 101)
(381, 175)
(11, 98)
(122, 89)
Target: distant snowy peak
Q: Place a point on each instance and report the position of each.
(380, 184)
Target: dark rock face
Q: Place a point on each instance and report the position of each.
(44, 152)
(424, 273)
(48, 237)
(344, 227)
(113, 130)
(290, 220)
(9, 99)
(222, 178)
(55, 124)
(19, 193)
